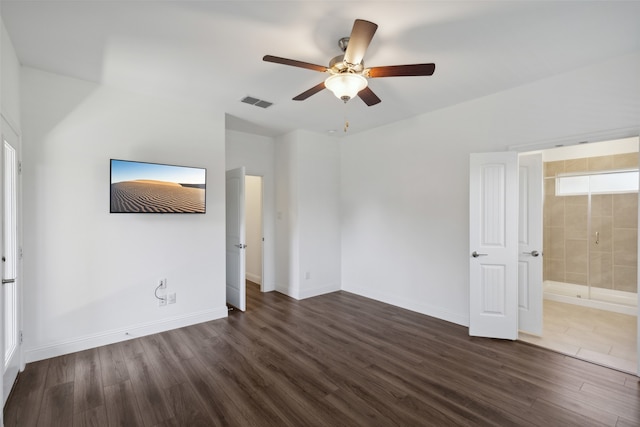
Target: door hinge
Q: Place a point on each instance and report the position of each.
(20, 167)
(21, 337)
(20, 253)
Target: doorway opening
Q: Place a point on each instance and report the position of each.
(254, 233)
(590, 264)
(245, 237)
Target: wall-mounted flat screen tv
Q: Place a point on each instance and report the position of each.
(140, 187)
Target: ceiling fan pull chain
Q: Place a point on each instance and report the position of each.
(346, 121)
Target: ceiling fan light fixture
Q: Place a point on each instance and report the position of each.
(345, 85)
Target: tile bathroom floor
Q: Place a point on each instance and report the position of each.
(598, 336)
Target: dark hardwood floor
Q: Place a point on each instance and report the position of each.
(333, 360)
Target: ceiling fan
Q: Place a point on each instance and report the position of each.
(348, 75)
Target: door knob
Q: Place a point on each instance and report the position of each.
(476, 254)
(532, 253)
(240, 246)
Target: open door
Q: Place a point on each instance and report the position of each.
(493, 239)
(235, 202)
(530, 244)
(11, 296)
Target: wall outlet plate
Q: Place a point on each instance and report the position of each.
(163, 284)
(171, 298)
(162, 302)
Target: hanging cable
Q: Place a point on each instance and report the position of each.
(156, 293)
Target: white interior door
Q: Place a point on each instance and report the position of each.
(493, 238)
(10, 290)
(235, 202)
(530, 244)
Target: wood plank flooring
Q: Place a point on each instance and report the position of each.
(333, 360)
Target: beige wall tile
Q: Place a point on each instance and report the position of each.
(576, 256)
(576, 200)
(602, 205)
(625, 246)
(553, 168)
(625, 278)
(554, 242)
(549, 187)
(601, 269)
(625, 210)
(556, 212)
(545, 271)
(624, 161)
(575, 221)
(546, 241)
(576, 165)
(555, 270)
(602, 163)
(576, 278)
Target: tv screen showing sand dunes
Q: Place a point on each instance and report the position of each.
(138, 187)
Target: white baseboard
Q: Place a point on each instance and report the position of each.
(408, 304)
(288, 291)
(301, 294)
(320, 290)
(254, 278)
(91, 341)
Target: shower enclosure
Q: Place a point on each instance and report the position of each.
(591, 231)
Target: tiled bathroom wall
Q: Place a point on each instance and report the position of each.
(571, 250)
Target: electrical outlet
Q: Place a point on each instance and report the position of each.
(171, 298)
(163, 284)
(162, 302)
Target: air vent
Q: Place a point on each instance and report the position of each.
(250, 100)
(257, 102)
(263, 104)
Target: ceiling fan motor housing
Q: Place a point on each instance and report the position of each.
(337, 65)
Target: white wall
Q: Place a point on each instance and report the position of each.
(319, 213)
(10, 110)
(90, 275)
(405, 187)
(257, 154)
(287, 233)
(308, 212)
(10, 80)
(253, 227)
(593, 149)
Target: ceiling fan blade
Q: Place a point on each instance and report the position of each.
(361, 35)
(402, 70)
(369, 97)
(294, 63)
(307, 93)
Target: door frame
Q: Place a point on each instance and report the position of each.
(610, 135)
(5, 124)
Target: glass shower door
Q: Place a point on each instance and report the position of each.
(607, 204)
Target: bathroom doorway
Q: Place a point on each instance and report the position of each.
(590, 264)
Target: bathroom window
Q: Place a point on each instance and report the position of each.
(597, 183)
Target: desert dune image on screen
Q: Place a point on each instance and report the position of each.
(138, 187)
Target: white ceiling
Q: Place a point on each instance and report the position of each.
(210, 52)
